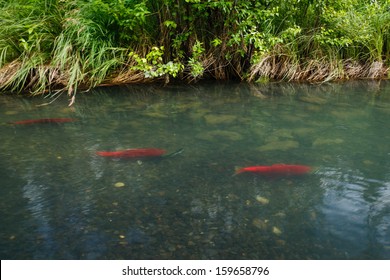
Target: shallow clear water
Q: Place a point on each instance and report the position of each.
(59, 200)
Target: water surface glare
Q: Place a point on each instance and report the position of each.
(60, 200)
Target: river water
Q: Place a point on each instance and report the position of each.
(60, 200)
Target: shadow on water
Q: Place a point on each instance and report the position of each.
(60, 200)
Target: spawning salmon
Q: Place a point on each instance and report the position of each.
(133, 153)
(45, 120)
(276, 169)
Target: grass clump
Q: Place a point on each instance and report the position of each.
(68, 45)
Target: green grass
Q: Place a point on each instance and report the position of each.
(73, 45)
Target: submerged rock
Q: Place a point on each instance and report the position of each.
(280, 242)
(155, 114)
(10, 112)
(288, 117)
(199, 113)
(182, 107)
(214, 119)
(327, 141)
(304, 131)
(218, 134)
(313, 100)
(279, 135)
(279, 146)
(260, 224)
(119, 184)
(262, 200)
(280, 215)
(368, 162)
(349, 114)
(276, 231)
(283, 133)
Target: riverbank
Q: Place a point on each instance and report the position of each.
(50, 46)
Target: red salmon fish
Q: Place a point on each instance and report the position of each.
(276, 169)
(133, 153)
(48, 120)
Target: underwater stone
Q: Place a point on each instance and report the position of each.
(327, 141)
(368, 162)
(262, 200)
(119, 185)
(260, 224)
(276, 230)
(349, 114)
(199, 113)
(10, 113)
(304, 131)
(157, 115)
(182, 107)
(279, 146)
(219, 119)
(218, 134)
(279, 135)
(283, 133)
(313, 100)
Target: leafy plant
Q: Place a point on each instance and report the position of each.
(153, 67)
(70, 45)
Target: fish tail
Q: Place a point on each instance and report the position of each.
(238, 170)
(179, 151)
(313, 169)
(102, 153)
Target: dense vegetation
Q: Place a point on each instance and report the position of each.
(49, 45)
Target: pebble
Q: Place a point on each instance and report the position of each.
(262, 200)
(279, 146)
(260, 224)
(119, 185)
(276, 230)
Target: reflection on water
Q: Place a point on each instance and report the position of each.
(59, 200)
